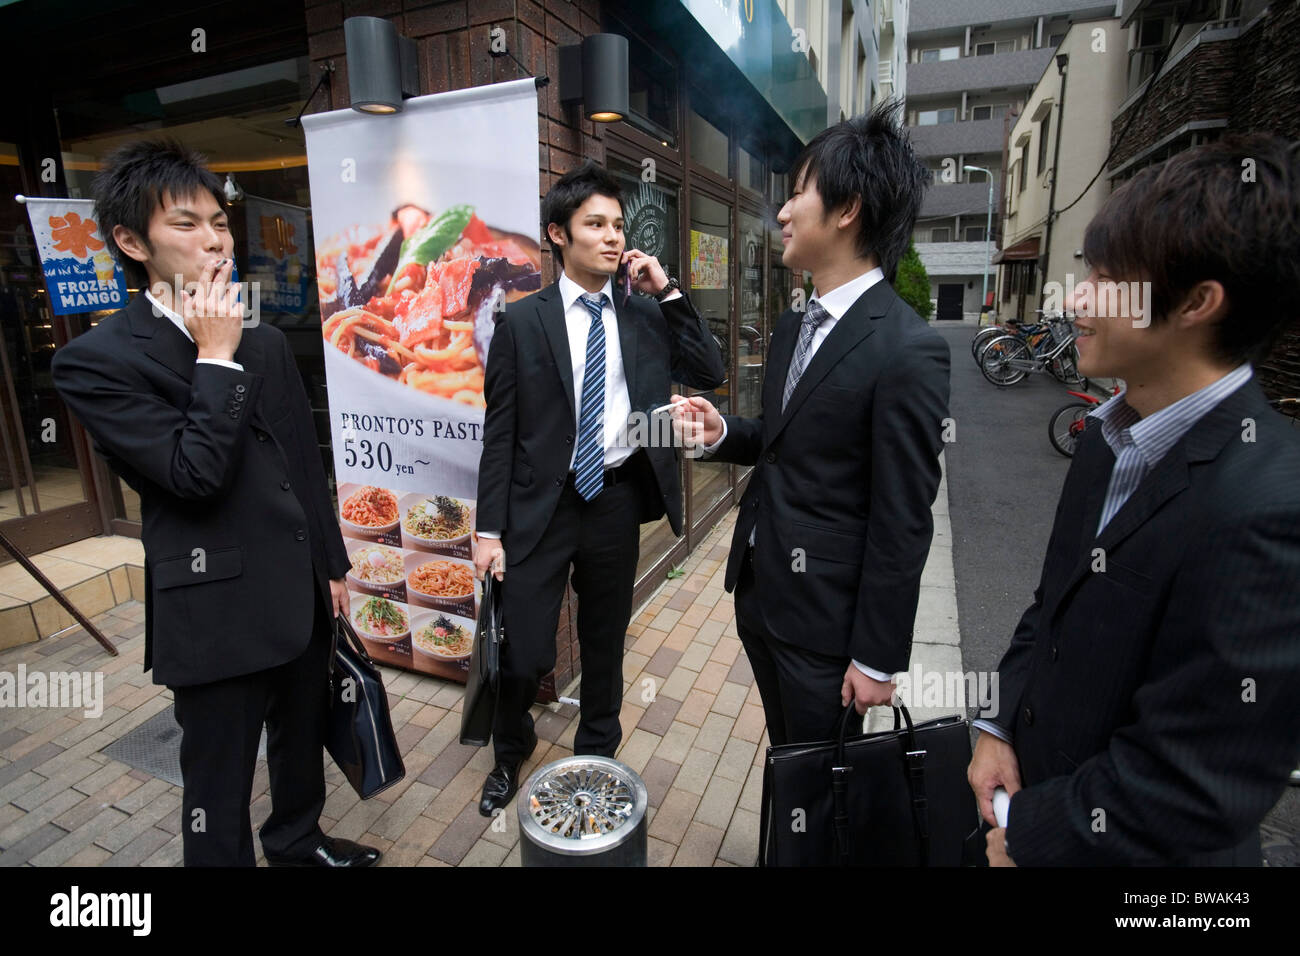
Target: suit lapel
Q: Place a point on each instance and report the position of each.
(1169, 478)
(627, 345)
(165, 343)
(550, 310)
(855, 325)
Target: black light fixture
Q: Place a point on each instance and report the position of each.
(383, 68)
(595, 73)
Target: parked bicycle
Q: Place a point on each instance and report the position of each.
(1012, 327)
(1008, 359)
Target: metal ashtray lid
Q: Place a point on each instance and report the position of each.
(582, 804)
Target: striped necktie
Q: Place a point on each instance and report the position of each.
(589, 463)
(813, 318)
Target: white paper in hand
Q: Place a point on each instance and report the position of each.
(1001, 805)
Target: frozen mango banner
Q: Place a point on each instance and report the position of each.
(426, 225)
(80, 274)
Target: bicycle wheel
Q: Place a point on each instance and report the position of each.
(1065, 367)
(996, 362)
(983, 337)
(1066, 425)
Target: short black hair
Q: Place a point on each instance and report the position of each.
(869, 157)
(1227, 211)
(569, 192)
(132, 183)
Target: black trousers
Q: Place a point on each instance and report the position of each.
(600, 539)
(800, 689)
(221, 724)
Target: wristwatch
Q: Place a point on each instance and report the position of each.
(672, 285)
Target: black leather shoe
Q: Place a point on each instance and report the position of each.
(332, 851)
(503, 783)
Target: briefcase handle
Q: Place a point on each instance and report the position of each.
(343, 626)
(914, 765)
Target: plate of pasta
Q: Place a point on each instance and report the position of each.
(414, 299)
(441, 636)
(368, 511)
(437, 523)
(446, 584)
(376, 569)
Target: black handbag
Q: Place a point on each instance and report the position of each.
(483, 682)
(360, 735)
(892, 798)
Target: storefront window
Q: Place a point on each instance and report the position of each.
(751, 342)
(652, 86)
(710, 274)
(709, 145)
(749, 171)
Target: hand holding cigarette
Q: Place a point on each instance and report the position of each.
(695, 420)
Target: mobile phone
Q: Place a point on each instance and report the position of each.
(620, 276)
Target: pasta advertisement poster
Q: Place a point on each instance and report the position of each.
(426, 224)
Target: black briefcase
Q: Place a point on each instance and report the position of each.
(893, 798)
(482, 685)
(360, 736)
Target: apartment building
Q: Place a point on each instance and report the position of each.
(857, 49)
(1054, 190)
(972, 65)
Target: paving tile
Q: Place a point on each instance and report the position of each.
(714, 732)
(741, 671)
(679, 683)
(750, 724)
(172, 853)
(699, 846)
(550, 725)
(658, 777)
(447, 764)
(58, 853)
(740, 846)
(695, 707)
(659, 715)
(41, 836)
(30, 758)
(402, 814)
(414, 842)
(659, 852)
(145, 845)
(711, 678)
(719, 802)
(463, 791)
(737, 759)
(10, 737)
(663, 661)
(163, 809)
(730, 699)
(461, 835)
(357, 820)
(638, 748)
(674, 815)
(677, 742)
(696, 771)
(106, 796)
(726, 650)
(485, 853)
(696, 656)
(91, 856)
(751, 797)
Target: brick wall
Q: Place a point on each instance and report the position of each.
(452, 39)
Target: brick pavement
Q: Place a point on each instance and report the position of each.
(692, 727)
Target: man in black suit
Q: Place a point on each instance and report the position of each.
(572, 376)
(1147, 710)
(244, 563)
(834, 528)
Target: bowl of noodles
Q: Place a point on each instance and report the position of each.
(380, 620)
(376, 569)
(368, 511)
(444, 584)
(442, 637)
(437, 523)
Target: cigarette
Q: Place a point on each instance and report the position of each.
(664, 408)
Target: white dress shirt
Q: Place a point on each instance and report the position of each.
(618, 404)
(836, 303)
(176, 320)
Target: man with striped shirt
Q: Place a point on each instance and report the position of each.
(1147, 711)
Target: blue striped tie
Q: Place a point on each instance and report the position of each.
(589, 463)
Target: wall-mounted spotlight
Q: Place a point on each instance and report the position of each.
(383, 68)
(595, 73)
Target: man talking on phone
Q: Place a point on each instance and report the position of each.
(561, 482)
(244, 564)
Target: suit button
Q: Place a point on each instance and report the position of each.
(234, 414)
(240, 389)
(771, 457)
(1056, 652)
(300, 535)
(568, 439)
(284, 485)
(261, 436)
(559, 482)
(1029, 716)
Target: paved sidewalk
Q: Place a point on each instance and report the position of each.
(692, 727)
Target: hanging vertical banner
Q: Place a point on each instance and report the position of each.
(277, 253)
(80, 274)
(426, 224)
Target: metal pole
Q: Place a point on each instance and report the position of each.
(988, 237)
(55, 593)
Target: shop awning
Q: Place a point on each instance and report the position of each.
(1024, 249)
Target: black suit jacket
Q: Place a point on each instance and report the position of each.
(234, 503)
(531, 421)
(1163, 690)
(844, 481)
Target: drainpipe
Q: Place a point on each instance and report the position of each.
(1061, 60)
